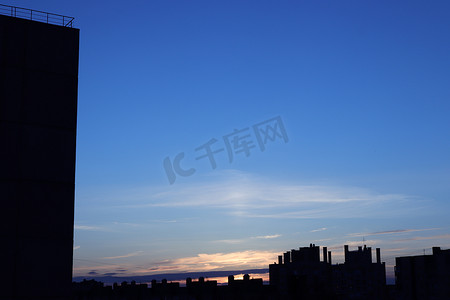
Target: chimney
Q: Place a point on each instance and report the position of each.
(329, 257)
(324, 249)
(378, 256)
(436, 250)
(287, 257)
(280, 259)
(345, 252)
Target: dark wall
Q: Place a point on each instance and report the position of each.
(38, 118)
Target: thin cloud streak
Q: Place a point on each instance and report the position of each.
(261, 196)
(246, 195)
(238, 241)
(85, 227)
(397, 231)
(421, 238)
(266, 237)
(123, 256)
(230, 241)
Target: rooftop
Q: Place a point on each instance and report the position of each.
(36, 15)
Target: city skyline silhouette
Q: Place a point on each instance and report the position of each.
(303, 273)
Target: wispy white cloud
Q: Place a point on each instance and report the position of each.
(126, 224)
(395, 249)
(266, 237)
(85, 227)
(123, 256)
(264, 195)
(396, 231)
(324, 240)
(165, 221)
(247, 195)
(319, 229)
(433, 237)
(243, 240)
(76, 247)
(230, 241)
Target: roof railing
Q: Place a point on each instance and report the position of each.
(36, 15)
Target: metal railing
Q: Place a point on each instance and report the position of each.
(36, 15)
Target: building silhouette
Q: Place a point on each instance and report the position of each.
(38, 118)
(423, 276)
(245, 289)
(358, 277)
(301, 274)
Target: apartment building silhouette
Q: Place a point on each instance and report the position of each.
(38, 119)
(301, 274)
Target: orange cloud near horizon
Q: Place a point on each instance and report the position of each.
(203, 262)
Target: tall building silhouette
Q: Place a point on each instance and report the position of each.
(423, 276)
(358, 277)
(38, 118)
(301, 274)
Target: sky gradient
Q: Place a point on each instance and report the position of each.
(361, 87)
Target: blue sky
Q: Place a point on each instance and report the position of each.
(361, 88)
